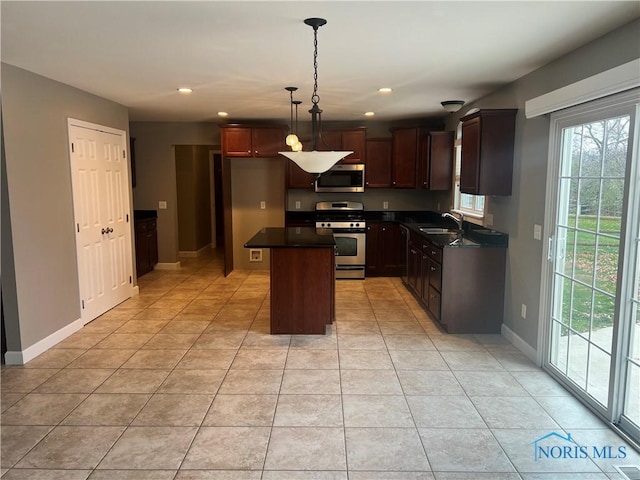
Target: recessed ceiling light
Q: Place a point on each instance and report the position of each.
(222, 114)
(385, 90)
(185, 90)
(369, 114)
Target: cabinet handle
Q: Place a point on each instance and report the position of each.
(433, 252)
(433, 269)
(384, 229)
(393, 183)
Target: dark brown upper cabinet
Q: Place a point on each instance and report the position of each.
(252, 141)
(377, 170)
(435, 169)
(487, 152)
(404, 157)
(345, 139)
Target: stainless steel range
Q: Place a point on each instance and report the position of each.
(346, 221)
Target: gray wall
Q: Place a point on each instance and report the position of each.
(193, 183)
(156, 173)
(517, 214)
(35, 111)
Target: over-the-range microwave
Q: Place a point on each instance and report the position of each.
(342, 178)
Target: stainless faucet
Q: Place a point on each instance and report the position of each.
(452, 217)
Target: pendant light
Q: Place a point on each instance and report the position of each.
(296, 147)
(292, 138)
(315, 161)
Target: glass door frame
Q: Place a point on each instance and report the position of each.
(615, 105)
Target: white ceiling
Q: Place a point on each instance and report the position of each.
(238, 56)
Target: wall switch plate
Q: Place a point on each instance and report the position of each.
(488, 219)
(537, 231)
(523, 311)
(255, 255)
(385, 205)
(263, 205)
(297, 204)
(162, 205)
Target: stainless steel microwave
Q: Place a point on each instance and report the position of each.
(341, 178)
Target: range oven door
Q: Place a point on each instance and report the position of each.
(350, 254)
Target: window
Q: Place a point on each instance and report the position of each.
(470, 205)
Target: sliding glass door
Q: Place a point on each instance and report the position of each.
(593, 342)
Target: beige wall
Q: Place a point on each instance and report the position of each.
(193, 184)
(254, 180)
(45, 282)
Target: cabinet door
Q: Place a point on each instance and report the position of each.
(354, 140)
(424, 278)
(152, 243)
(377, 169)
(435, 275)
(413, 268)
(330, 140)
(298, 178)
(470, 165)
(372, 249)
(434, 302)
(390, 249)
(405, 154)
(440, 160)
(236, 142)
(267, 141)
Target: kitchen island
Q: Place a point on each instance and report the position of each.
(302, 278)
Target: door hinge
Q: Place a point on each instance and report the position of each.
(78, 227)
(127, 218)
(130, 279)
(83, 304)
(72, 148)
(124, 154)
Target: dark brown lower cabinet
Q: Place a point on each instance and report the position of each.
(383, 249)
(146, 244)
(462, 288)
(302, 290)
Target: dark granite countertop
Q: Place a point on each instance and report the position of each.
(471, 236)
(293, 237)
(144, 214)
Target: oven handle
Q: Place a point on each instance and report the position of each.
(348, 230)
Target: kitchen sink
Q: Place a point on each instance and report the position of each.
(437, 231)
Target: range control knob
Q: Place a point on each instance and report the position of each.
(328, 225)
(357, 224)
(352, 225)
(322, 225)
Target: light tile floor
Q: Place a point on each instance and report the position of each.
(184, 382)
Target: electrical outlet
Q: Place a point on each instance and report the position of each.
(297, 204)
(523, 311)
(255, 255)
(537, 232)
(385, 205)
(162, 205)
(263, 205)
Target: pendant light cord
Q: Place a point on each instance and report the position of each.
(315, 98)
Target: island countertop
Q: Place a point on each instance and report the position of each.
(292, 237)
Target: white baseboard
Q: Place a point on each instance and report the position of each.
(197, 253)
(530, 352)
(29, 353)
(167, 266)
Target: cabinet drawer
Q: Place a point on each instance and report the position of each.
(434, 302)
(434, 252)
(435, 275)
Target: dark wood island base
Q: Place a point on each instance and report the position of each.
(302, 278)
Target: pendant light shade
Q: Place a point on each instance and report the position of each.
(314, 161)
